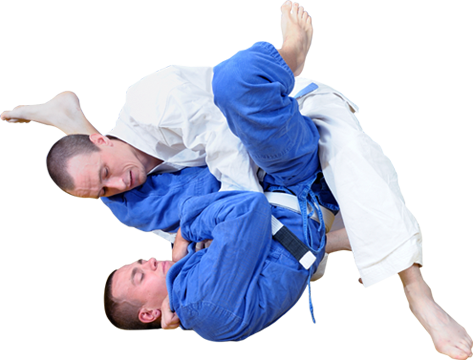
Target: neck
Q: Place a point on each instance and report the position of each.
(149, 162)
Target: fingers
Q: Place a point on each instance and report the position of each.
(172, 321)
(199, 246)
(169, 319)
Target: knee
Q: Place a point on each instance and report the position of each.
(222, 88)
(229, 79)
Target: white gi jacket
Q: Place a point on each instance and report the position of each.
(171, 115)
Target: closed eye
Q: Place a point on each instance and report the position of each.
(104, 190)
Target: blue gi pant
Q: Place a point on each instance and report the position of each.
(252, 90)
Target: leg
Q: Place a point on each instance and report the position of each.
(252, 88)
(448, 336)
(337, 241)
(63, 111)
(384, 235)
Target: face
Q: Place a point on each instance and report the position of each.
(112, 170)
(143, 281)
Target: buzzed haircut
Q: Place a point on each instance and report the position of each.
(64, 150)
(124, 315)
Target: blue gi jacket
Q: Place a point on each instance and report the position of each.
(154, 205)
(245, 280)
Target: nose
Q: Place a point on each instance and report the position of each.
(116, 183)
(152, 264)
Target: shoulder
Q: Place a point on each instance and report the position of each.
(212, 322)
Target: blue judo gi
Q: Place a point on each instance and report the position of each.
(245, 280)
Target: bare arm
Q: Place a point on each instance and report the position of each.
(63, 112)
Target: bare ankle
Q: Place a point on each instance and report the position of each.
(289, 59)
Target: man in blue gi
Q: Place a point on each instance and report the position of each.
(245, 280)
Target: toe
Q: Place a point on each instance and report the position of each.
(457, 354)
(286, 7)
(295, 9)
(300, 12)
(464, 349)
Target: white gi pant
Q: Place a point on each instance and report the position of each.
(384, 235)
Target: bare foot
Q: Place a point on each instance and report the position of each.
(449, 337)
(297, 31)
(63, 111)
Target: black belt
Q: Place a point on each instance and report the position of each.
(292, 243)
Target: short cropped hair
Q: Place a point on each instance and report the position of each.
(124, 315)
(60, 154)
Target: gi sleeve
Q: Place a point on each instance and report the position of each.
(155, 205)
(240, 225)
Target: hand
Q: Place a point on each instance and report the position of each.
(203, 244)
(169, 319)
(179, 250)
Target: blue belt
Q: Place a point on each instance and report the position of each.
(309, 88)
(290, 241)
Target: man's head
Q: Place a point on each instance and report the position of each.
(95, 165)
(134, 294)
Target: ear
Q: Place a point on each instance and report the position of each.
(149, 315)
(98, 139)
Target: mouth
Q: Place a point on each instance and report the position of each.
(131, 180)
